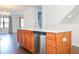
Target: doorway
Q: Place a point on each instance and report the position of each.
(5, 25)
(40, 19)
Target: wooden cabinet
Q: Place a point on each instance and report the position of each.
(50, 43)
(26, 39)
(19, 37)
(58, 43)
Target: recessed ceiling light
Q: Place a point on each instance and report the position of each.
(4, 13)
(69, 16)
(7, 13)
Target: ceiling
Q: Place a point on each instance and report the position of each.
(17, 9)
(72, 17)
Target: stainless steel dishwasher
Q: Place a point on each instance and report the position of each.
(39, 42)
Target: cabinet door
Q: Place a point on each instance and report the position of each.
(24, 39)
(63, 43)
(19, 36)
(31, 41)
(50, 43)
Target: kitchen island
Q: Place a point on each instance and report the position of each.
(44, 41)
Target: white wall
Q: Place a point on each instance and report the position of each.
(31, 18)
(75, 36)
(52, 15)
(3, 30)
(15, 23)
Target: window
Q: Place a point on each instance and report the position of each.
(4, 22)
(1, 23)
(22, 22)
(40, 19)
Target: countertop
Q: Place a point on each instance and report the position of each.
(56, 30)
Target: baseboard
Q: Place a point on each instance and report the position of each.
(76, 45)
(8, 33)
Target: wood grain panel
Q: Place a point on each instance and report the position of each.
(55, 44)
(19, 37)
(63, 47)
(26, 39)
(50, 43)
